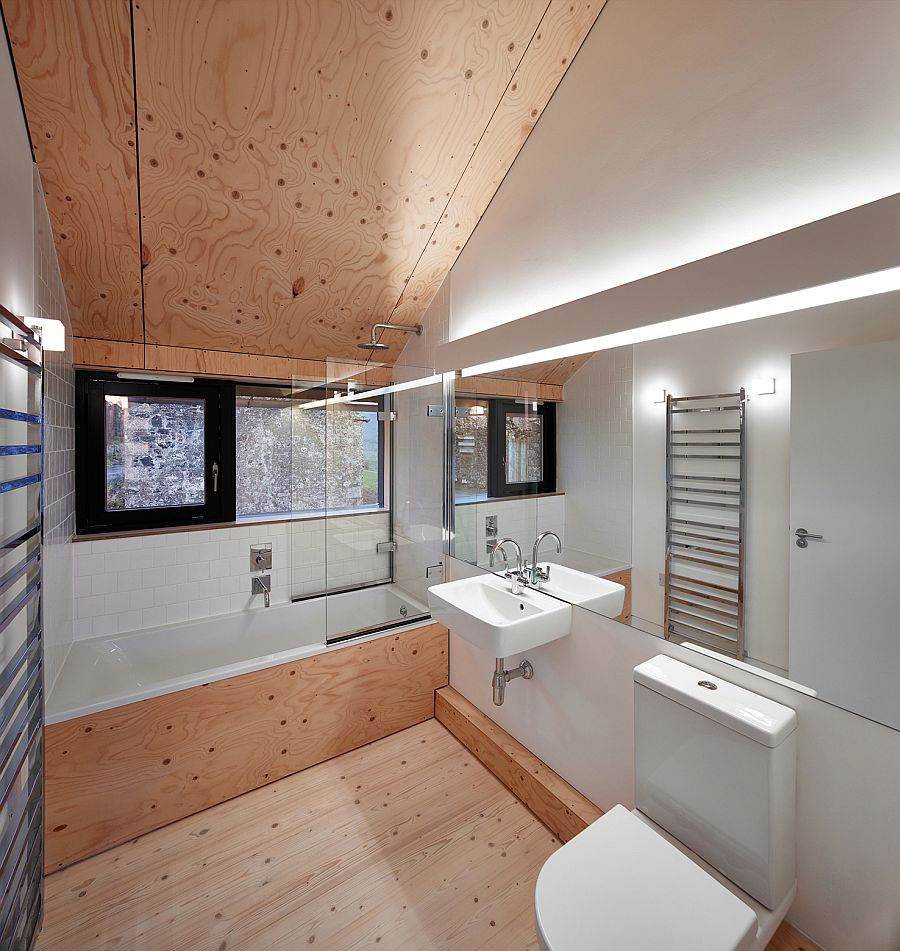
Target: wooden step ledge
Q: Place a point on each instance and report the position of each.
(562, 809)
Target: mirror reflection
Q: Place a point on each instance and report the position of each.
(716, 489)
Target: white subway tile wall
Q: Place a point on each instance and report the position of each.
(350, 558)
(132, 583)
(59, 449)
(594, 455)
(521, 519)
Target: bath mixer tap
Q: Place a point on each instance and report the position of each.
(536, 576)
(515, 578)
(262, 584)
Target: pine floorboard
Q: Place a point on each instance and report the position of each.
(407, 844)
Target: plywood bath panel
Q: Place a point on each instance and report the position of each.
(119, 773)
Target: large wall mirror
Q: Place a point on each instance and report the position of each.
(734, 489)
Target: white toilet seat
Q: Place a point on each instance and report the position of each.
(619, 885)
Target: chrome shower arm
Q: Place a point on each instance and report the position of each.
(373, 344)
(415, 329)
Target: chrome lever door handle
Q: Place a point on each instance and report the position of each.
(803, 537)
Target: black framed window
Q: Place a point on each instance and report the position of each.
(153, 454)
(521, 447)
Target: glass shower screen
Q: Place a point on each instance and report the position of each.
(363, 451)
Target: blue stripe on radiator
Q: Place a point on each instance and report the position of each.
(19, 483)
(19, 417)
(18, 450)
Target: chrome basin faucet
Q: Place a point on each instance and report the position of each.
(515, 578)
(536, 577)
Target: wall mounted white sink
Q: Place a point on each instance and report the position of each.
(599, 595)
(484, 611)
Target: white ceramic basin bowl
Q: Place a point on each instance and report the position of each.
(599, 595)
(484, 611)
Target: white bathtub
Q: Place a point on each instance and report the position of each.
(104, 672)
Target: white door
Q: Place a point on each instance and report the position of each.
(845, 486)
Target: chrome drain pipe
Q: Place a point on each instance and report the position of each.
(502, 677)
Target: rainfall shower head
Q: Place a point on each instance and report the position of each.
(373, 344)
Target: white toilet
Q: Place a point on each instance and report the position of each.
(706, 860)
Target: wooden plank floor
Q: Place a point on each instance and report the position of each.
(408, 843)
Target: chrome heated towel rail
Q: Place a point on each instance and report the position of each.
(21, 638)
(706, 509)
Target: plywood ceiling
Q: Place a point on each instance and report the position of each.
(74, 66)
(276, 177)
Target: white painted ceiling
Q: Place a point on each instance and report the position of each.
(684, 128)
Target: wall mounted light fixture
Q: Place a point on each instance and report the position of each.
(763, 385)
(52, 332)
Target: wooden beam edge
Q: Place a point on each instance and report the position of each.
(474, 386)
(95, 354)
(560, 806)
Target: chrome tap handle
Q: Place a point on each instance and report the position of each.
(510, 541)
(537, 575)
(494, 552)
(514, 577)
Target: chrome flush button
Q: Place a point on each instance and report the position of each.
(707, 684)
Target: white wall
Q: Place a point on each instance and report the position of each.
(681, 130)
(337, 552)
(520, 518)
(577, 715)
(30, 284)
(135, 582)
(16, 208)
(593, 455)
(721, 361)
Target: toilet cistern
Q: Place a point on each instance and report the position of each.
(709, 848)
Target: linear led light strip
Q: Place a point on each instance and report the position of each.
(369, 394)
(866, 285)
